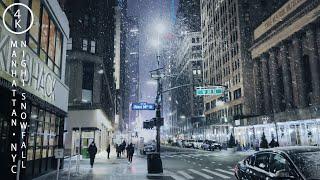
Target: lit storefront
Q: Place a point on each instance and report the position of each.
(220, 133)
(291, 133)
(45, 90)
(85, 126)
(286, 79)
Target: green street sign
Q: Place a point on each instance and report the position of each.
(216, 91)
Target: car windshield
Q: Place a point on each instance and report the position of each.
(308, 163)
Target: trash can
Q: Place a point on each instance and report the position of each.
(154, 163)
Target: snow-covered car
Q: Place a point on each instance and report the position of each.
(210, 145)
(189, 143)
(215, 145)
(179, 143)
(198, 143)
(206, 145)
(149, 147)
(297, 162)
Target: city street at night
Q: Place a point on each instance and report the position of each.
(199, 164)
(160, 89)
(179, 164)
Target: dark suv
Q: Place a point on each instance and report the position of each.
(298, 163)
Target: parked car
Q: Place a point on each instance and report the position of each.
(215, 145)
(179, 143)
(149, 147)
(205, 145)
(298, 163)
(189, 143)
(198, 143)
(211, 145)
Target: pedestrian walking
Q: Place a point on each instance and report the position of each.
(92, 150)
(108, 151)
(118, 150)
(131, 152)
(127, 149)
(123, 146)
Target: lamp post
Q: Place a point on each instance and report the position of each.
(154, 160)
(159, 96)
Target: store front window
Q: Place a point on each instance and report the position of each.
(43, 137)
(44, 38)
(291, 133)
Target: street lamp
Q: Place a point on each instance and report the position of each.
(154, 161)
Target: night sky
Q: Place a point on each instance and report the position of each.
(150, 12)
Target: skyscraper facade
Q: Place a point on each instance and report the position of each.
(90, 74)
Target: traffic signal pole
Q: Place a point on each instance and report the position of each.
(154, 162)
(158, 98)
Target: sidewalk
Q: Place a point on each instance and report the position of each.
(103, 168)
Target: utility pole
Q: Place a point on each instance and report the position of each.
(154, 162)
(158, 98)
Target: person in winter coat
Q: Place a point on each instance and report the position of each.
(123, 146)
(131, 152)
(92, 150)
(108, 151)
(118, 150)
(127, 149)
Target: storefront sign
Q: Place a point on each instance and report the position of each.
(87, 134)
(277, 17)
(36, 78)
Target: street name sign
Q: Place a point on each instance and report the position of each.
(143, 106)
(204, 91)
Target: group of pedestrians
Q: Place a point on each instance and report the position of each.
(92, 150)
(129, 150)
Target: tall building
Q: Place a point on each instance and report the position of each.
(188, 72)
(132, 75)
(43, 97)
(90, 74)
(227, 30)
(285, 56)
(185, 30)
(120, 73)
(188, 16)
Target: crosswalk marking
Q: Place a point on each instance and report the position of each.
(201, 174)
(174, 175)
(186, 175)
(213, 162)
(224, 171)
(231, 169)
(217, 174)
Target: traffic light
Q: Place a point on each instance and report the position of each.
(158, 121)
(148, 124)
